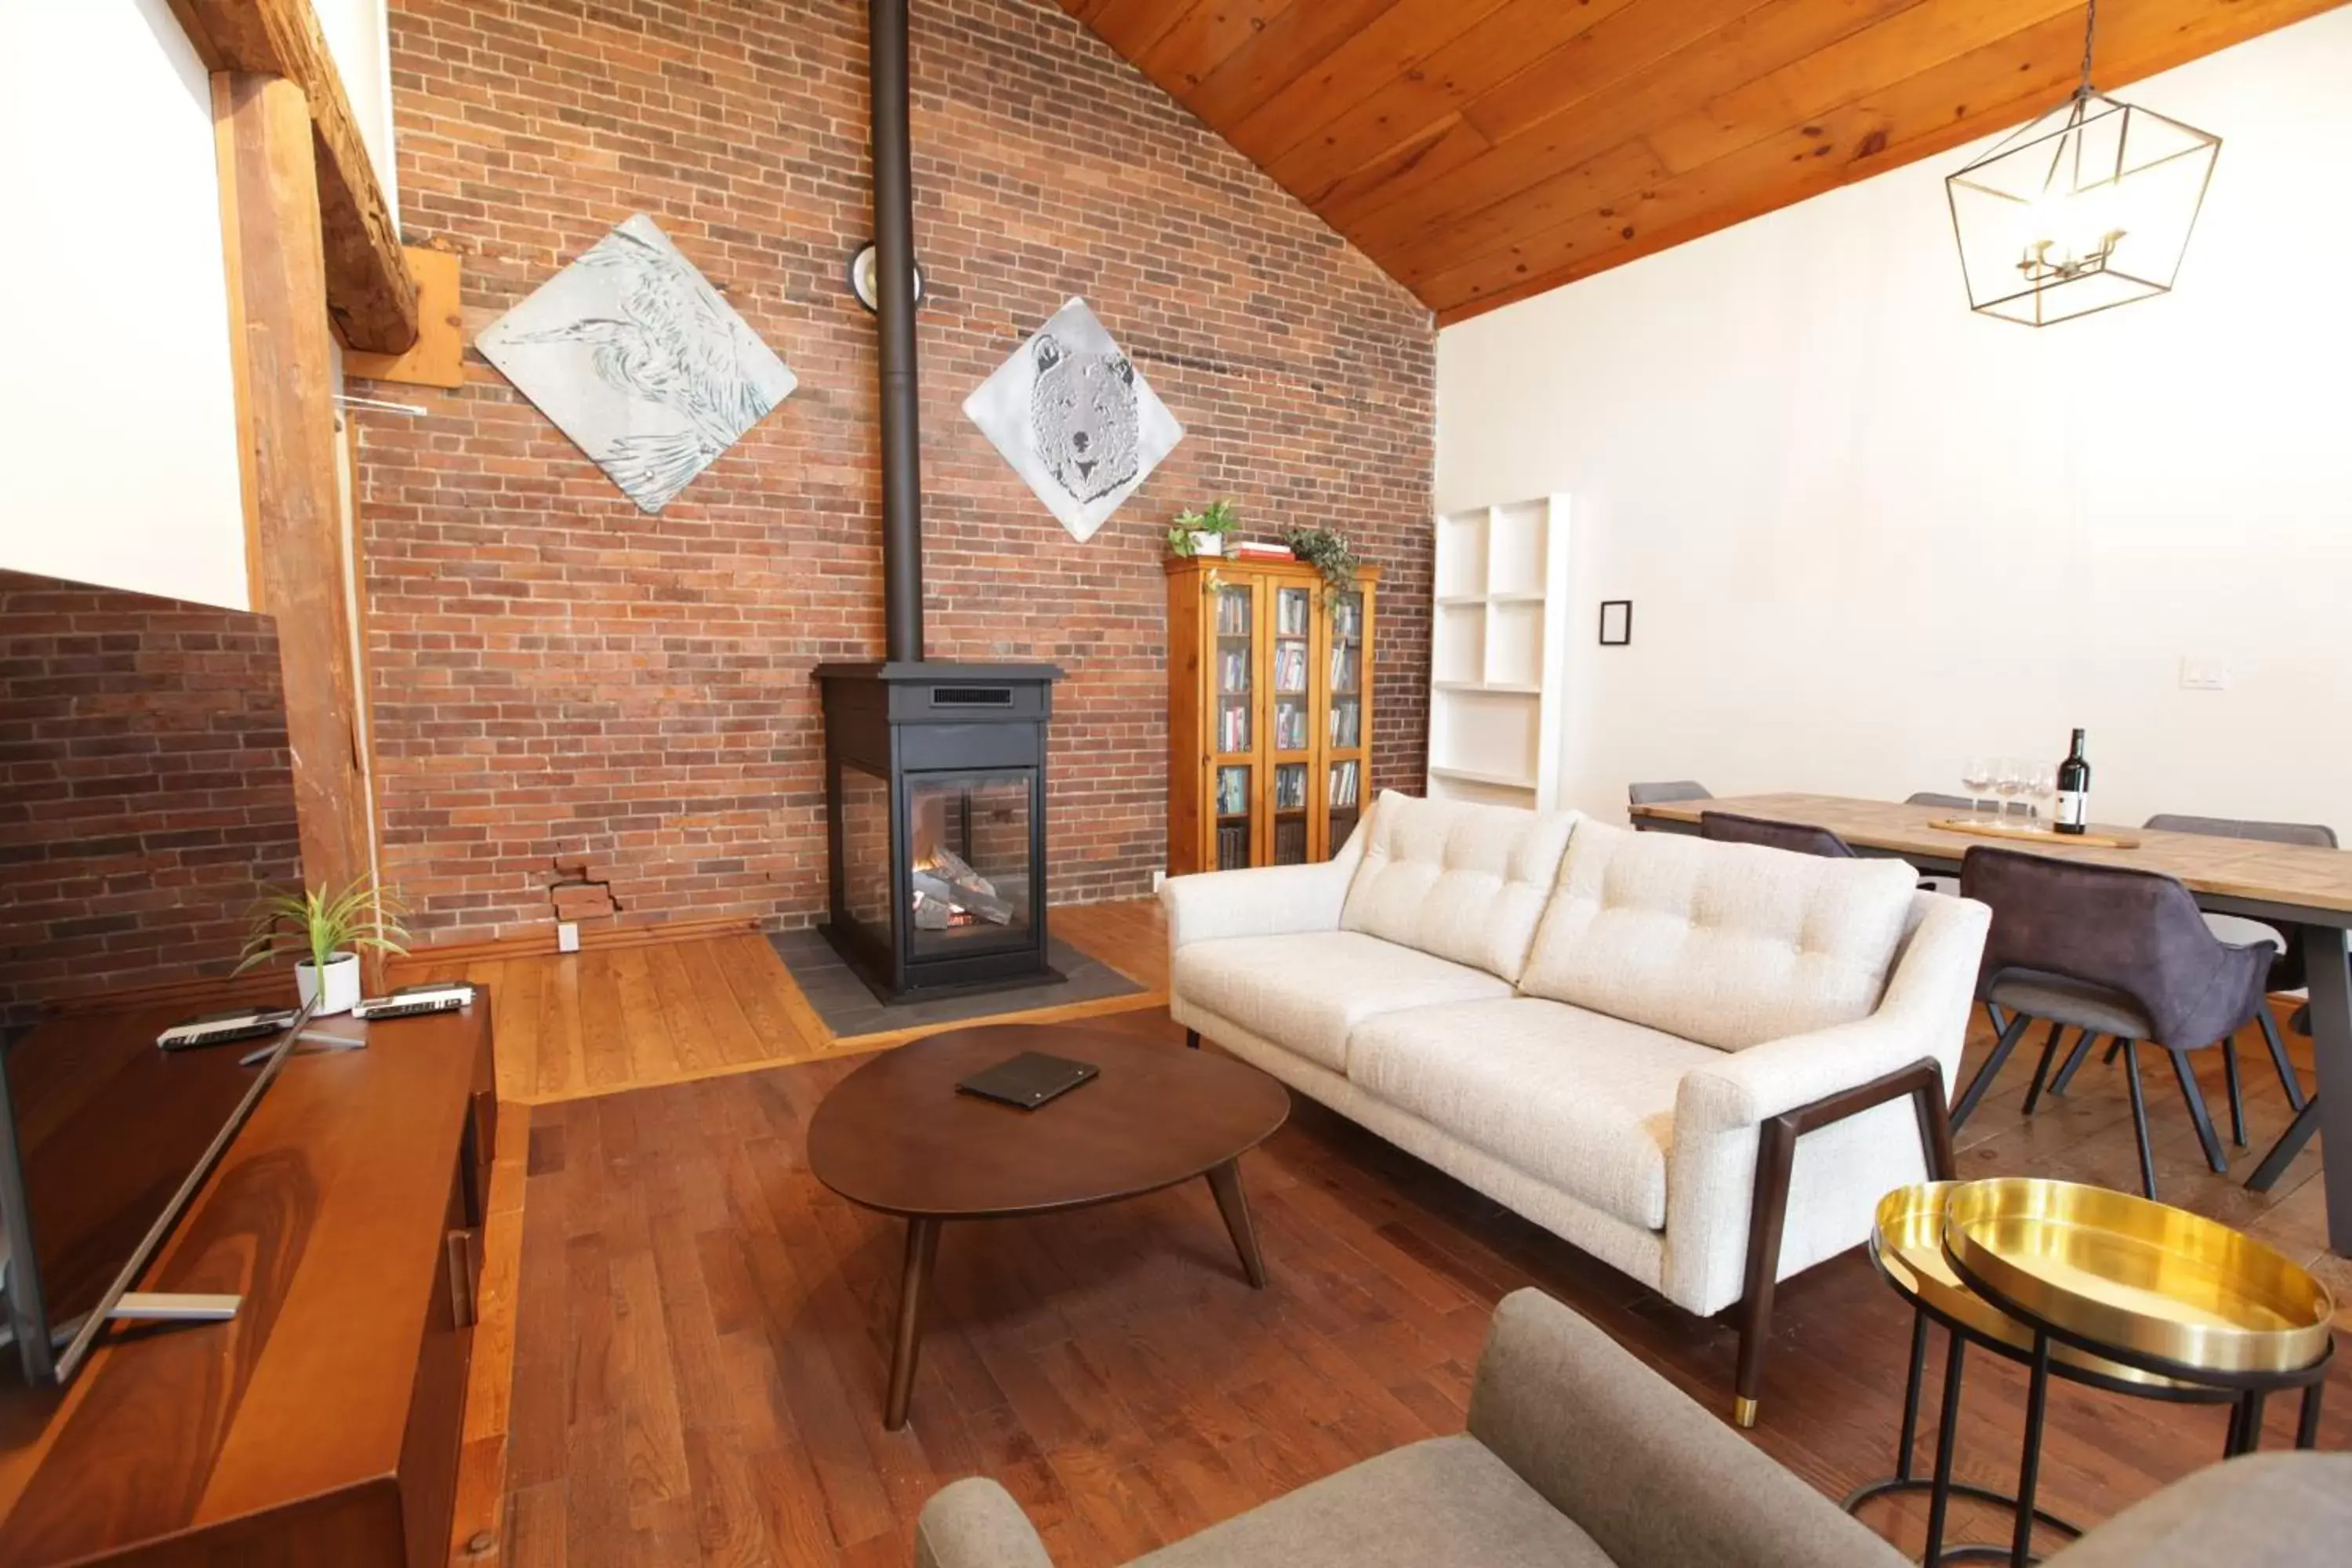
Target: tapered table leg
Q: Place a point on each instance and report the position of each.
(1225, 1181)
(914, 1286)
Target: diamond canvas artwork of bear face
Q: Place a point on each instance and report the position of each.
(1076, 419)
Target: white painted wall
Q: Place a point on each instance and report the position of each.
(1867, 534)
(118, 430)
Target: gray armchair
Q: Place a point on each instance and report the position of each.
(1580, 1457)
(1577, 1457)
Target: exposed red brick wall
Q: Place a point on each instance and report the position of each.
(146, 793)
(554, 671)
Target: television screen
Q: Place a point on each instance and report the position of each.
(148, 803)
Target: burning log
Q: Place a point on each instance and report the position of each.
(945, 880)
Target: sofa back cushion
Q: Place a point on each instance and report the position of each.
(1727, 944)
(1463, 881)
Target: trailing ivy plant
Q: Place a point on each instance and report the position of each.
(1219, 516)
(1328, 553)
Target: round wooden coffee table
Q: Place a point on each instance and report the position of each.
(897, 1136)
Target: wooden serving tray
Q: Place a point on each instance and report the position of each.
(2094, 840)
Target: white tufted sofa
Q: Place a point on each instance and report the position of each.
(1689, 1059)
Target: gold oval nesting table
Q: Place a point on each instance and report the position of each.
(2115, 1269)
(2098, 1288)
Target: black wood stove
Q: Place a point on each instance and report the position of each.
(934, 771)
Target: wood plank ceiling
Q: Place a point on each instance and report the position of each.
(1481, 150)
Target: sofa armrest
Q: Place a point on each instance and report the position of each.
(1841, 1170)
(1653, 1478)
(1264, 901)
(1924, 1013)
(975, 1523)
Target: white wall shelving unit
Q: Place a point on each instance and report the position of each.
(1499, 654)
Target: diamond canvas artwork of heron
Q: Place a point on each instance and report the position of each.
(635, 357)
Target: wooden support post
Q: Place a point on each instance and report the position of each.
(284, 353)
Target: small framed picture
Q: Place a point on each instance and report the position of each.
(1616, 621)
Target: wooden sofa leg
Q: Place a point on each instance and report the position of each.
(1776, 1153)
(1192, 1039)
(1776, 1157)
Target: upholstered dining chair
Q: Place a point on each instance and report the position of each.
(2117, 952)
(1730, 828)
(1665, 791)
(2286, 969)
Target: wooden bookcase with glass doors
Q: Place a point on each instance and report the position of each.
(1269, 713)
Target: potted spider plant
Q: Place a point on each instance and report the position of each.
(327, 932)
(1203, 532)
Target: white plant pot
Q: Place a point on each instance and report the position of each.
(1208, 544)
(342, 987)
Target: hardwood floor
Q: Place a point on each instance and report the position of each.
(702, 1332)
(621, 1017)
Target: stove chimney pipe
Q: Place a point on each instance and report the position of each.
(894, 284)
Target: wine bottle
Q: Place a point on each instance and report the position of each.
(2074, 790)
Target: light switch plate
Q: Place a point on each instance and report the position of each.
(2204, 673)
(1159, 880)
(567, 936)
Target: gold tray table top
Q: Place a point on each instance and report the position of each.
(1907, 1245)
(2141, 1277)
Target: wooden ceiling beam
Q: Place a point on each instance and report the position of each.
(370, 297)
(2004, 83)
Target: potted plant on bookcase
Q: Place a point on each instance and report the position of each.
(1330, 553)
(1203, 532)
(328, 932)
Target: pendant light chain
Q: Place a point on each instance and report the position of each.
(2090, 32)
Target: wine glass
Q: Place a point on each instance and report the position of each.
(2042, 783)
(2008, 783)
(1976, 777)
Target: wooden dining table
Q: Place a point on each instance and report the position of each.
(2299, 888)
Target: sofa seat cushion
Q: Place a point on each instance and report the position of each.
(1727, 944)
(1456, 879)
(1308, 991)
(1444, 1500)
(1579, 1100)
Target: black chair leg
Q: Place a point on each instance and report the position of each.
(2042, 1068)
(2114, 1049)
(2215, 1159)
(2292, 1084)
(2290, 1144)
(2075, 1059)
(2237, 1095)
(2130, 1049)
(1992, 1066)
(1999, 1019)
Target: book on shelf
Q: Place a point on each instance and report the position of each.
(1290, 613)
(1343, 668)
(1258, 550)
(1233, 670)
(1232, 612)
(1290, 787)
(1290, 667)
(1232, 792)
(1345, 718)
(1290, 727)
(1233, 727)
(1348, 618)
(1232, 847)
(1343, 785)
